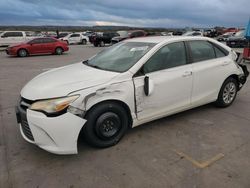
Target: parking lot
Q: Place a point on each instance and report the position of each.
(200, 148)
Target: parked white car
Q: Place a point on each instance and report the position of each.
(76, 38)
(193, 33)
(11, 37)
(126, 85)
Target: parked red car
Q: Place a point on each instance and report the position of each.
(38, 46)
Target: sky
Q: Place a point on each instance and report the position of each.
(140, 13)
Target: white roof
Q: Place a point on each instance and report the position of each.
(159, 39)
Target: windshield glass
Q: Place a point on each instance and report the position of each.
(240, 33)
(120, 57)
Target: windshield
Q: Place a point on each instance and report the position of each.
(120, 57)
(240, 33)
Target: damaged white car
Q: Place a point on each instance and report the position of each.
(128, 84)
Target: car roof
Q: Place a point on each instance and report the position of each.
(160, 39)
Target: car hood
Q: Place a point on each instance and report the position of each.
(62, 81)
(118, 38)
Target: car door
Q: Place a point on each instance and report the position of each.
(36, 46)
(74, 38)
(171, 79)
(210, 66)
(48, 45)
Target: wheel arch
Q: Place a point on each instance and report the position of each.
(117, 101)
(22, 48)
(234, 76)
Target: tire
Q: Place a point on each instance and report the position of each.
(102, 44)
(106, 125)
(22, 53)
(227, 93)
(95, 44)
(84, 42)
(58, 51)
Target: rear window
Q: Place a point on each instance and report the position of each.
(201, 51)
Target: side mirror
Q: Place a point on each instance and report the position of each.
(148, 86)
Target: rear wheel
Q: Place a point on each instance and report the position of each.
(84, 41)
(58, 51)
(227, 93)
(22, 53)
(106, 124)
(102, 44)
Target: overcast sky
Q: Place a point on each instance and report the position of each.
(142, 13)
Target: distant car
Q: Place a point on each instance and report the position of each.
(76, 38)
(129, 35)
(193, 33)
(232, 29)
(238, 40)
(225, 36)
(38, 46)
(103, 39)
(11, 37)
(63, 34)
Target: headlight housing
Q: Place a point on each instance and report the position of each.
(53, 106)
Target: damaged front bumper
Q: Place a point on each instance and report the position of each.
(243, 77)
(57, 135)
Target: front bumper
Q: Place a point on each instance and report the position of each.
(243, 77)
(57, 135)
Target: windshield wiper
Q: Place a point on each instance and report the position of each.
(94, 66)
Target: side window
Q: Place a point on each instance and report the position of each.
(140, 34)
(13, 34)
(18, 34)
(48, 40)
(219, 51)
(169, 56)
(35, 41)
(201, 51)
(75, 35)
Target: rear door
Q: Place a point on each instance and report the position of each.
(210, 69)
(36, 46)
(74, 38)
(171, 76)
(48, 45)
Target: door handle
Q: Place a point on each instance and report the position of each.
(225, 63)
(187, 73)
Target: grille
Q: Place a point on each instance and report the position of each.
(25, 104)
(26, 130)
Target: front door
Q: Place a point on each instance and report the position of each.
(172, 83)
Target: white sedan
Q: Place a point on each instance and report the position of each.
(76, 38)
(126, 85)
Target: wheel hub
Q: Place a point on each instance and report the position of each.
(108, 125)
(229, 93)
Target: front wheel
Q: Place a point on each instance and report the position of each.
(22, 53)
(58, 51)
(84, 42)
(102, 44)
(227, 93)
(106, 124)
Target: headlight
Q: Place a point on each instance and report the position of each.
(52, 106)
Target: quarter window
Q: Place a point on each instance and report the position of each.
(169, 56)
(218, 52)
(75, 35)
(201, 51)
